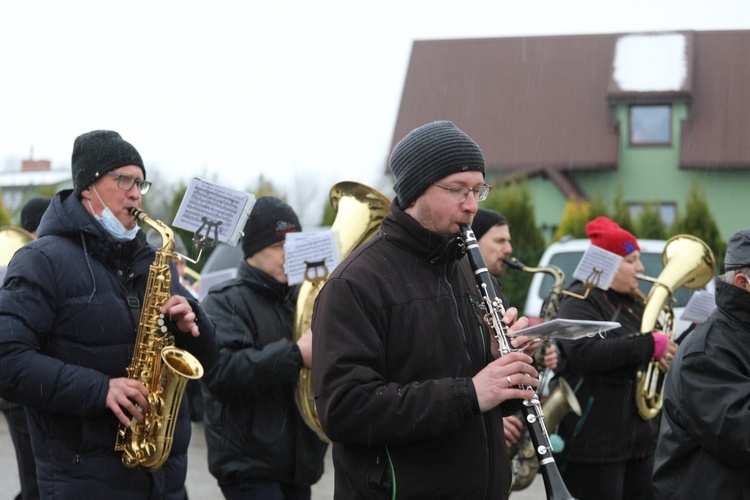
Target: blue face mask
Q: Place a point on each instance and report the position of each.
(112, 224)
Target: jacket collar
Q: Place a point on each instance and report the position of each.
(68, 217)
(733, 302)
(262, 282)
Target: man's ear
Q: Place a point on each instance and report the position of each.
(740, 281)
(86, 193)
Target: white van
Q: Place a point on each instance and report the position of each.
(566, 254)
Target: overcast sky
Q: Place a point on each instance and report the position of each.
(291, 89)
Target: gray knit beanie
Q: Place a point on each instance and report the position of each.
(428, 154)
(485, 219)
(98, 152)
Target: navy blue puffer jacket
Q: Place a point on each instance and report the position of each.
(65, 330)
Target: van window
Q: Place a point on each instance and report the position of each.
(568, 261)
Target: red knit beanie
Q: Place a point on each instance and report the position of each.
(606, 234)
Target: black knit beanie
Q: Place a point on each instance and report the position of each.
(484, 219)
(270, 219)
(428, 154)
(98, 152)
(32, 211)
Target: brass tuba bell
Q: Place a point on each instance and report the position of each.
(11, 239)
(690, 263)
(359, 212)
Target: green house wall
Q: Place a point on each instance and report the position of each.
(652, 174)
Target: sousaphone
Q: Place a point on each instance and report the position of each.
(359, 211)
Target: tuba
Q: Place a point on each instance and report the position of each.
(11, 239)
(162, 368)
(560, 402)
(359, 210)
(690, 263)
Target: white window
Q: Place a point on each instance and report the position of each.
(650, 125)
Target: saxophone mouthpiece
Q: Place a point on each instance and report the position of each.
(515, 263)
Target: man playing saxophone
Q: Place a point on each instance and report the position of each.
(69, 312)
(492, 231)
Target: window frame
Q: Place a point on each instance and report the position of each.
(646, 142)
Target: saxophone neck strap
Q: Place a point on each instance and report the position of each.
(134, 304)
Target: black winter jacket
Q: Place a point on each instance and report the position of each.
(603, 372)
(398, 334)
(704, 443)
(253, 428)
(65, 330)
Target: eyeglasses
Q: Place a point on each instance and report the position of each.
(126, 183)
(459, 194)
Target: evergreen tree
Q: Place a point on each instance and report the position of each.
(597, 206)
(621, 213)
(515, 202)
(699, 222)
(328, 214)
(650, 224)
(573, 220)
(4, 214)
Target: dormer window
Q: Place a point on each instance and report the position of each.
(651, 125)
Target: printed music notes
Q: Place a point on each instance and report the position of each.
(214, 213)
(312, 255)
(597, 267)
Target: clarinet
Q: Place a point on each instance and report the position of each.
(532, 409)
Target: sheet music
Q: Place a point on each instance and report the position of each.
(569, 329)
(206, 202)
(700, 306)
(598, 267)
(302, 248)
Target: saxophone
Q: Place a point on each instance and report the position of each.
(560, 402)
(160, 366)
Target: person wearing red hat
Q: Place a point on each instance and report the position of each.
(609, 449)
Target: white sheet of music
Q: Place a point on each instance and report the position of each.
(213, 210)
(700, 306)
(598, 267)
(310, 248)
(569, 329)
